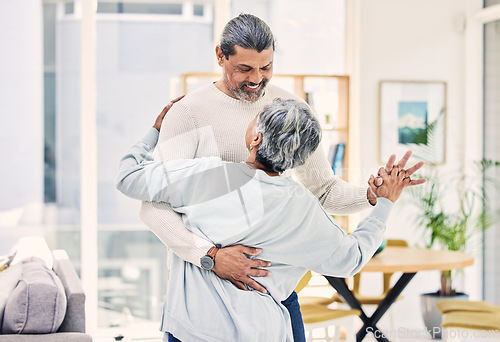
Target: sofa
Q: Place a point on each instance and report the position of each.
(44, 304)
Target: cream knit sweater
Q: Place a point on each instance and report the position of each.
(208, 122)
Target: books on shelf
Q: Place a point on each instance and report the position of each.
(336, 157)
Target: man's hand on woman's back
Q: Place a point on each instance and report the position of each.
(232, 263)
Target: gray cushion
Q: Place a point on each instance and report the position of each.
(57, 337)
(8, 281)
(75, 310)
(38, 303)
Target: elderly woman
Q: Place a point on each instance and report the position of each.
(249, 203)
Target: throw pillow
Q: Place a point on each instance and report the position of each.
(30, 246)
(8, 281)
(38, 303)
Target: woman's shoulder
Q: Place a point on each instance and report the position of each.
(195, 164)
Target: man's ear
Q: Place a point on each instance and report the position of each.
(220, 56)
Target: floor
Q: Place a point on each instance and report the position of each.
(405, 315)
(407, 323)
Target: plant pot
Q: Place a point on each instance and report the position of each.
(432, 317)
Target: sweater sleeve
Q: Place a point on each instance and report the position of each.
(135, 177)
(177, 140)
(177, 181)
(335, 195)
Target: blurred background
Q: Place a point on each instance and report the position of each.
(139, 53)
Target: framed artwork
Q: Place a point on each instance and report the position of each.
(412, 117)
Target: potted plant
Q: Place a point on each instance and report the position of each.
(452, 210)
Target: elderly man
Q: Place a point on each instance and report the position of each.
(211, 122)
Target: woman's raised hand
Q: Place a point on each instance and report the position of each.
(160, 116)
(393, 179)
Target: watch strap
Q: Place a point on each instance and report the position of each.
(212, 252)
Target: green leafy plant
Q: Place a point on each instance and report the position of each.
(452, 206)
(452, 209)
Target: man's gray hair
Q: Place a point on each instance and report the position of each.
(290, 133)
(247, 31)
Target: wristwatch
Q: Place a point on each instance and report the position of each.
(208, 261)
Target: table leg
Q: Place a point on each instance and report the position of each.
(369, 323)
(392, 295)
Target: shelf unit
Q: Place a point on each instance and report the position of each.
(328, 95)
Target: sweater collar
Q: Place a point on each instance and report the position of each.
(248, 104)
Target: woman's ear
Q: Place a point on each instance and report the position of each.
(256, 140)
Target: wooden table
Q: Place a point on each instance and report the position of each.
(398, 259)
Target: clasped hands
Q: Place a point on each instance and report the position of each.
(395, 178)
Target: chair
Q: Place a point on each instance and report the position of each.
(453, 305)
(463, 319)
(462, 326)
(317, 316)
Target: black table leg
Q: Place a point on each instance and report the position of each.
(370, 323)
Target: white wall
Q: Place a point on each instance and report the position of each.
(409, 40)
(21, 107)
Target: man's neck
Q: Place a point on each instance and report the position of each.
(223, 88)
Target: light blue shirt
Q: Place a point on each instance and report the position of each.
(229, 204)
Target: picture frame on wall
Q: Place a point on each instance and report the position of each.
(413, 117)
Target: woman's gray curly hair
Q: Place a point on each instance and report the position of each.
(290, 133)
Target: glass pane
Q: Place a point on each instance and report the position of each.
(140, 8)
(109, 7)
(198, 10)
(21, 122)
(136, 61)
(69, 8)
(310, 43)
(152, 8)
(132, 87)
(492, 151)
(49, 33)
(132, 276)
(491, 2)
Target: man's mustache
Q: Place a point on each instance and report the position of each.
(263, 82)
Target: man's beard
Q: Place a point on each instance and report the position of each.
(248, 96)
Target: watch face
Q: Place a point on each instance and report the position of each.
(207, 262)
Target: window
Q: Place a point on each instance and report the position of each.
(49, 32)
(69, 8)
(492, 151)
(198, 10)
(136, 58)
(488, 3)
(140, 8)
(310, 39)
